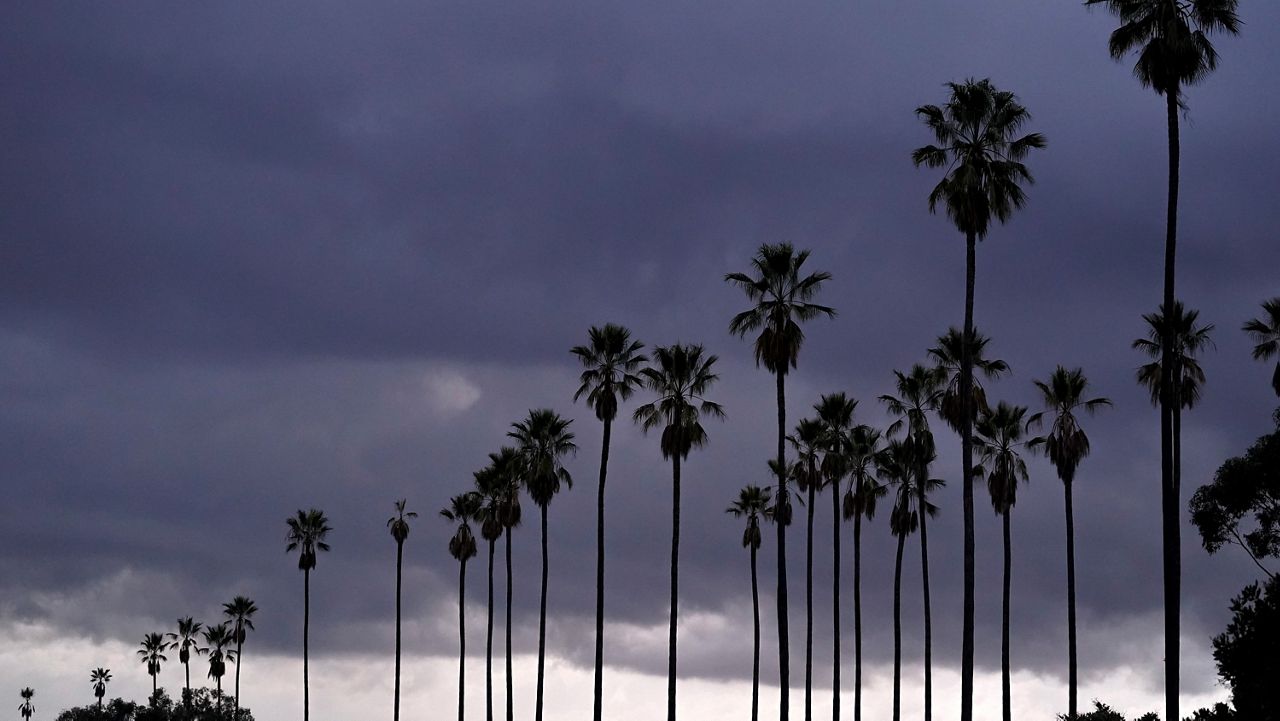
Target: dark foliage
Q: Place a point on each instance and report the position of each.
(204, 707)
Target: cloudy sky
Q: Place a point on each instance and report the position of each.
(259, 257)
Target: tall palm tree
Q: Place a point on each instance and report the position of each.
(507, 478)
(218, 638)
(897, 467)
(1265, 333)
(307, 533)
(490, 517)
(1171, 40)
(99, 678)
(920, 391)
(27, 709)
(948, 356)
(782, 296)
(976, 134)
(186, 641)
(152, 654)
(1066, 445)
(752, 503)
(809, 441)
(399, 527)
(240, 612)
(835, 413)
(462, 509)
(611, 364)
(859, 503)
(680, 375)
(998, 436)
(543, 440)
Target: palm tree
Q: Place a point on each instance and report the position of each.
(185, 642)
(99, 678)
(680, 375)
(782, 296)
(399, 526)
(920, 391)
(860, 502)
(1172, 43)
(307, 533)
(462, 509)
(1265, 333)
(27, 709)
(1066, 444)
(239, 613)
(152, 654)
(490, 517)
(948, 356)
(897, 467)
(752, 503)
(611, 363)
(218, 638)
(808, 440)
(835, 412)
(975, 132)
(543, 440)
(506, 477)
(998, 437)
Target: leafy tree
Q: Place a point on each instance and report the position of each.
(307, 533)
(1265, 333)
(859, 503)
(152, 654)
(99, 678)
(680, 376)
(399, 527)
(752, 504)
(240, 612)
(1245, 486)
(782, 296)
(462, 509)
(117, 710)
(977, 140)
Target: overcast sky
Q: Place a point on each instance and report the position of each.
(261, 257)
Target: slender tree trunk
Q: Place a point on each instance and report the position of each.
(510, 696)
(928, 612)
(1005, 696)
(835, 601)
(462, 639)
(186, 699)
(755, 656)
(542, 621)
(808, 611)
(604, 469)
(306, 631)
(154, 684)
(488, 646)
(240, 660)
(1071, 602)
(857, 617)
(675, 586)
(897, 630)
(784, 641)
(399, 566)
(1172, 552)
(966, 446)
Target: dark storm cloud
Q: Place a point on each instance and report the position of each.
(261, 258)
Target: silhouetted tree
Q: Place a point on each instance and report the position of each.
(152, 654)
(186, 642)
(99, 678)
(218, 638)
(896, 467)
(1244, 486)
(28, 708)
(808, 440)
(1265, 333)
(489, 485)
(860, 502)
(399, 527)
(753, 503)
(462, 509)
(307, 533)
(1246, 652)
(507, 476)
(240, 612)
(835, 413)
(948, 356)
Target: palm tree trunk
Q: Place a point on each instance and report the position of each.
(399, 566)
(542, 622)
(897, 630)
(835, 601)
(488, 645)
(755, 657)
(808, 611)
(1172, 553)
(784, 642)
(186, 699)
(928, 612)
(240, 660)
(1071, 603)
(510, 696)
(154, 684)
(604, 469)
(306, 630)
(462, 638)
(966, 445)
(1004, 625)
(675, 586)
(857, 617)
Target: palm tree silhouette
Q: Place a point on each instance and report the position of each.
(680, 375)
(860, 502)
(239, 613)
(506, 477)
(1265, 333)
(998, 436)
(27, 709)
(307, 533)
(948, 357)
(611, 364)
(835, 413)
(218, 638)
(808, 440)
(99, 678)
(896, 467)
(152, 654)
(1171, 40)
(185, 642)
(782, 302)
(1066, 445)
(462, 509)
(975, 132)
(752, 503)
(543, 440)
(399, 527)
(488, 485)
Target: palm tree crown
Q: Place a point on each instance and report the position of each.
(462, 509)
(99, 678)
(1189, 338)
(611, 366)
(399, 523)
(998, 435)
(948, 355)
(1066, 444)
(218, 638)
(186, 640)
(239, 612)
(307, 533)
(680, 376)
(1265, 333)
(782, 298)
(27, 709)
(864, 490)
(152, 652)
(543, 439)
(920, 390)
(752, 503)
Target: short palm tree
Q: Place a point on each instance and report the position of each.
(1265, 333)
(998, 438)
(186, 642)
(680, 376)
(977, 136)
(462, 510)
(218, 639)
(809, 441)
(99, 678)
(835, 413)
(152, 654)
(1066, 445)
(308, 532)
(27, 709)
(948, 356)
(239, 612)
(752, 504)
(506, 466)
(896, 467)
(611, 363)
(490, 517)
(543, 440)
(783, 299)
(859, 503)
(399, 527)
